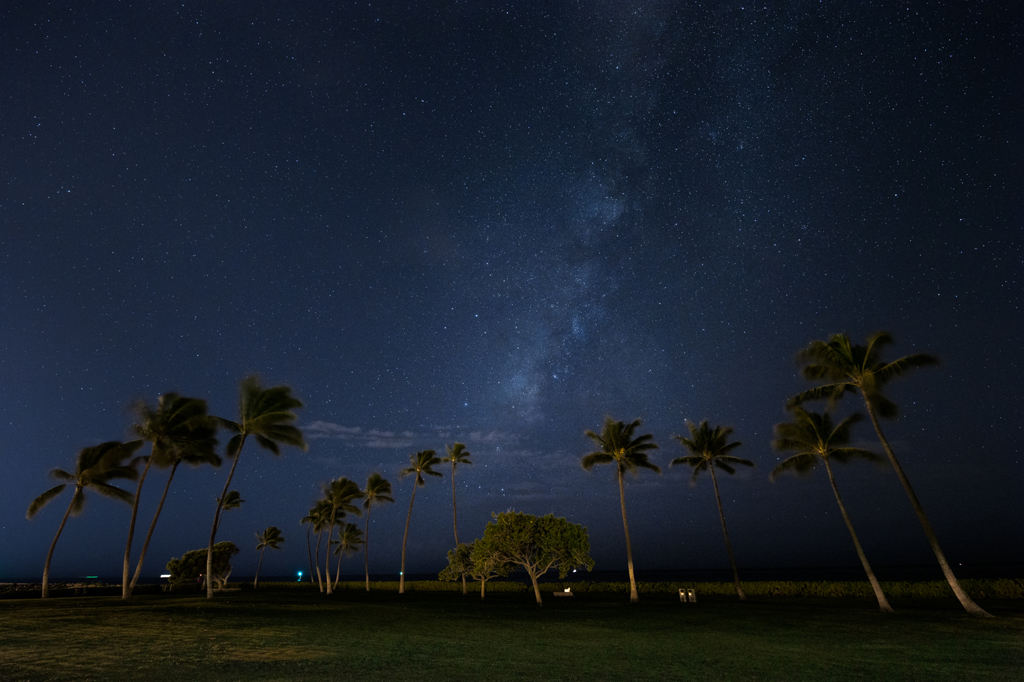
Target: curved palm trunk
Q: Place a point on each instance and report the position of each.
(455, 521)
(366, 549)
(53, 545)
(327, 559)
(883, 603)
(216, 520)
(962, 596)
(309, 553)
(149, 533)
(401, 576)
(337, 571)
(319, 579)
(258, 567)
(725, 531)
(634, 596)
(125, 588)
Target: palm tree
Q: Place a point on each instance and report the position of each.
(378, 489)
(179, 430)
(457, 454)
(272, 538)
(319, 516)
(309, 521)
(710, 450)
(267, 415)
(338, 494)
(95, 467)
(813, 438)
(350, 538)
(629, 454)
(421, 463)
(852, 368)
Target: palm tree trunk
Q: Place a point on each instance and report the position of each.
(883, 603)
(216, 521)
(725, 531)
(455, 520)
(962, 596)
(149, 533)
(53, 545)
(258, 567)
(366, 549)
(401, 575)
(319, 579)
(337, 571)
(309, 552)
(125, 589)
(327, 556)
(634, 596)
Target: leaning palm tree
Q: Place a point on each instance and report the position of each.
(95, 467)
(350, 539)
(813, 438)
(179, 430)
(457, 454)
(629, 454)
(339, 495)
(849, 368)
(267, 415)
(319, 516)
(272, 538)
(378, 489)
(422, 462)
(171, 422)
(710, 450)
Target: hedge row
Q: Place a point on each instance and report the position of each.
(977, 588)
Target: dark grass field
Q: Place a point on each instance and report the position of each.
(301, 634)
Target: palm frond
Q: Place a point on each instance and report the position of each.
(593, 458)
(843, 455)
(800, 464)
(61, 475)
(112, 491)
(44, 499)
(898, 368)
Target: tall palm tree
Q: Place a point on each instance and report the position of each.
(179, 430)
(339, 495)
(457, 454)
(422, 462)
(710, 450)
(267, 415)
(350, 539)
(849, 368)
(272, 538)
(94, 468)
(629, 454)
(194, 448)
(309, 521)
(378, 489)
(319, 516)
(813, 438)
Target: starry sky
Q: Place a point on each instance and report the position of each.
(498, 222)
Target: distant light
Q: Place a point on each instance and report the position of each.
(92, 576)
(300, 577)
(401, 573)
(165, 575)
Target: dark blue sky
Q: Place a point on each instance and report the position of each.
(497, 223)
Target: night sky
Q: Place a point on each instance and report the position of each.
(498, 223)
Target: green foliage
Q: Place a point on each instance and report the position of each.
(709, 448)
(537, 544)
(271, 537)
(186, 570)
(619, 446)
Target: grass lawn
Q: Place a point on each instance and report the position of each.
(300, 634)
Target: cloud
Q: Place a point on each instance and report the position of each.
(357, 436)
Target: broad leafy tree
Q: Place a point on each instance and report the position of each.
(457, 454)
(479, 560)
(629, 453)
(266, 414)
(813, 438)
(378, 490)
(844, 368)
(421, 463)
(94, 469)
(339, 494)
(536, 544)
(709, 451)
(178, 430)
(188, 570)
(271, 538)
